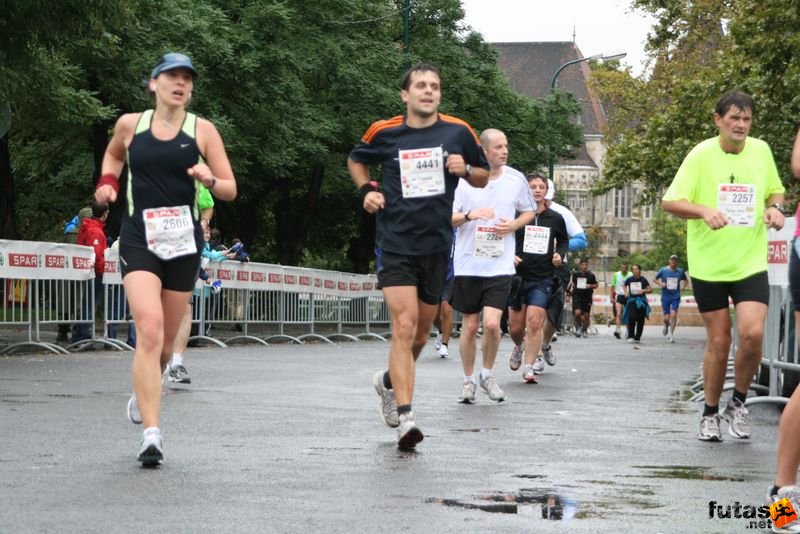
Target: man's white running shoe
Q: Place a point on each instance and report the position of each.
(438, 343)
(151, 451)
(549, 357)
(444, 352)
(736, 414)
(408, 435)
(709, 428)
(515, 359)
(538, 365)
(467, 393)
(490, 387)
(134, 415)
(388, 409)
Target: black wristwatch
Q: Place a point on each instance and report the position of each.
(777, 206)
(466, 216)
(469, 171)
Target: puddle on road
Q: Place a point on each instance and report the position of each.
(11, 398)
(676, 407)
(527, 502)
(472, 429)
(685, 472)
(548, 503)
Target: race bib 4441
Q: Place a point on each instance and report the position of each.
(422, 172)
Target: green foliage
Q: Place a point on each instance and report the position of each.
(669, 237)
(657, 120)
(290, 85)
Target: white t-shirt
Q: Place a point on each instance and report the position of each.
(573, 226)
(476, 254)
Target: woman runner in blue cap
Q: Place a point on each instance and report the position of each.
(169, 153)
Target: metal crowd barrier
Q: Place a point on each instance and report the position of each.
(50, 284)
(780, 349)
(779, 372)
(43, 284)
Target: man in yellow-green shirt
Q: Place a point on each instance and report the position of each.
(729, 190)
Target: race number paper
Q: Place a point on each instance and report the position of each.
(422, 172)
(581, 283)
(672, 284)
(537, 239)
(169, 231)
(636, 288)
(738, 203)
(488, 244)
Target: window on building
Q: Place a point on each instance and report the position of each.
(648, 211)
(622, 202)
(572, 201)
(583, 200)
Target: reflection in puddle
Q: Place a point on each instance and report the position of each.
(528, 502)
(687, 472)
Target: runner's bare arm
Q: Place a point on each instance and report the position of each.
(216, 174)
(114, 157)
(684, 209)
(359, 172)
(478, 177)
(773, 217)
(796, 156)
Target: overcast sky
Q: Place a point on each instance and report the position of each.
(601, 26)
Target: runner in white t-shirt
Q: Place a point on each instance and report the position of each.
(483, 262)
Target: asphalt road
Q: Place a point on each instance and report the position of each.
(287, 438)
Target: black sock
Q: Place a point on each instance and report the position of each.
(403, 408)
(710, 410)
(387, 382)
(443, 343)
(774, 490)
(741, 397)
(546, 348)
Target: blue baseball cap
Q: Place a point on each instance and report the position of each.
(173, 60)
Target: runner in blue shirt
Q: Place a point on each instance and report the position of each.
(672, 279)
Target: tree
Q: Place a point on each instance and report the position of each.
(291, 86)
(699, 49)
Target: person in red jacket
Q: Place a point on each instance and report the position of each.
(92, 234)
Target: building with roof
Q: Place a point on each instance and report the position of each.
(530, 68)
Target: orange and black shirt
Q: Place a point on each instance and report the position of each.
(421, 225)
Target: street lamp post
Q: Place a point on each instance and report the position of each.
(604, 57)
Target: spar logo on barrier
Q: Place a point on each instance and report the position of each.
(55, 261)
(81, 263)
(778, 252)
(16, 259)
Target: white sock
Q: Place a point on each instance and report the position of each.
(470, 378)
(177, 359)
(485, 373)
